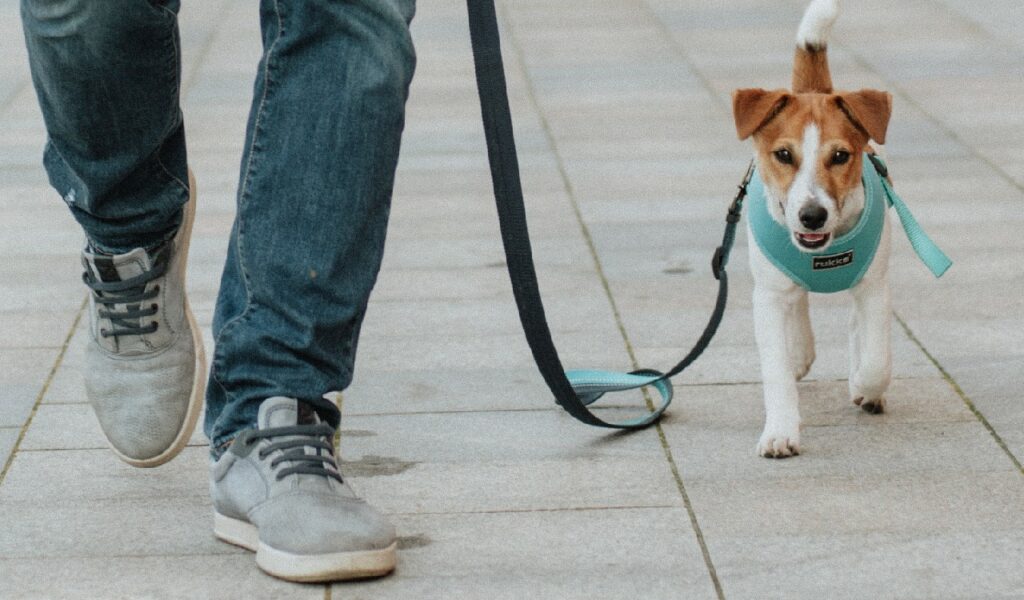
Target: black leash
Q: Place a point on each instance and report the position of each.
(576, 390)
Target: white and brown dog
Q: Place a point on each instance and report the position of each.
(810, 144)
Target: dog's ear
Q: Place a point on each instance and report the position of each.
(753, 108)
(869, 110)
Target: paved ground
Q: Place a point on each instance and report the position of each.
(629, 159)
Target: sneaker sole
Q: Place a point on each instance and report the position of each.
(305, 568)
(195, 401)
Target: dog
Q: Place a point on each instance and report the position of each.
(812, 147)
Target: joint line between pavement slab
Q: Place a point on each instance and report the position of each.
(513, 511)
(960, 392)
(42, 392)
(666, 449)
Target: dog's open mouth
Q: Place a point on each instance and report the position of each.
(812, 241)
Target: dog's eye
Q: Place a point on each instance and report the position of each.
(840, 157)
(783, 156)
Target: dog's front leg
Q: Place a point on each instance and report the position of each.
(781, 436)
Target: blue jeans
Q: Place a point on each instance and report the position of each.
(316, 174)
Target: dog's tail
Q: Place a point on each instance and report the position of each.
(810, 67)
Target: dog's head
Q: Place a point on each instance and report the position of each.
(809, 153)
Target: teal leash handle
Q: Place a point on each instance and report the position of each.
(928, 251)
(590, 385)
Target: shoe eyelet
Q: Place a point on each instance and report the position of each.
(154, 306)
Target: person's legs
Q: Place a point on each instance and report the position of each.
(313, 201)
(107, 75)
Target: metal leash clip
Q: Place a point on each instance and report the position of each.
(732, 217)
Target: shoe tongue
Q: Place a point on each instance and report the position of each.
(119, 267)
(280, 411)
(285, 412)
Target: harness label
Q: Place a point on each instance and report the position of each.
(834, 261)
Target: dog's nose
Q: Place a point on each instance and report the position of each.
(813, 216)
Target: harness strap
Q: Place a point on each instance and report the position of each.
(929, 253)
(576, 390)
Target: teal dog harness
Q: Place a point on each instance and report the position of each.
(843, 264)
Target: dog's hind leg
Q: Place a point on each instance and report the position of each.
(800, 337)
(871, 332)
(871, 353)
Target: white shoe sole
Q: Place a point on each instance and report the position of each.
(195, 401)
(305, 568)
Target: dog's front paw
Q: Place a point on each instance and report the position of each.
(875, 406)
(779, 442)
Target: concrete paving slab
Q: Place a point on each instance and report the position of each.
(488, 281)
(490, 436)
(479, 318)
(35, 328)
(982, 502)
(57, 527)
(445, 390)
(494, 351)
(170, 577)
(960, 565)
(511, 485)
(24, 373)
(74, 427)
(511, 555)
(99, 476)
(515, 461)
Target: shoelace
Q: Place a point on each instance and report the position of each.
(127, 292)
(294, 449)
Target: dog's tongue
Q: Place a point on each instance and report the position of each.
(812, 237)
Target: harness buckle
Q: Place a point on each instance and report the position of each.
(737, 203)
(879, 166)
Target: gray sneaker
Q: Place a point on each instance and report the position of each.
(145, 369)
(278, 491)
